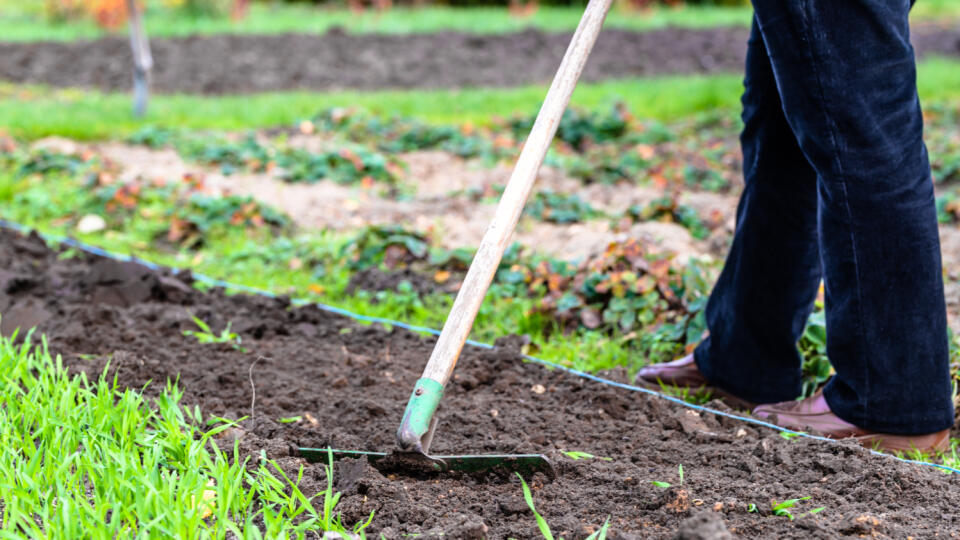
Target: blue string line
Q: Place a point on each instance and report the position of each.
(426, 330)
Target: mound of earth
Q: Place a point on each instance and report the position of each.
(349, 384)
(231, 64)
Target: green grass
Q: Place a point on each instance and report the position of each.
(32, 112)
(18, 24)
(87, 459)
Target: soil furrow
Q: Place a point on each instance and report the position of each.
(348, 384)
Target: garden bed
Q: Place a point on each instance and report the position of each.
(321, 379)
(230, 64)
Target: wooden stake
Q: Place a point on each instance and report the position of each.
(142, 59)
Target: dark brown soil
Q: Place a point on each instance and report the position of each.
(350, 384)
(230, 64)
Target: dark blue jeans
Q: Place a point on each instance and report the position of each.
(838, 187)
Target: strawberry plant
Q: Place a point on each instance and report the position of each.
(189, 215)
(948, 208)
(44, 162)
(580, 129)
(548, 205)
(607, 164)
(707, 178)
(397, 135)
(345, 166)
(389, 245)
(154, 137)
(201, 214)
(625, 287)
(668, 209)
(232, 156)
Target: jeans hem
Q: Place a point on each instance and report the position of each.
(915, 425)
(701, 358)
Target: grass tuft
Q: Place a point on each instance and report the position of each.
(83, 458)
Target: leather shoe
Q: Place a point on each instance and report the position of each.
(684, 373)
(814, 414)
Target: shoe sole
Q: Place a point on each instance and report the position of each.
(928, 444)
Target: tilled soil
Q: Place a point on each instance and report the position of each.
(229, 64)
(349, 383)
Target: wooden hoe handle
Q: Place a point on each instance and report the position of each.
(429, 389)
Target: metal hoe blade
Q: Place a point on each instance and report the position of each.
(526, 464)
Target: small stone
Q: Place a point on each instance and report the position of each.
(494, 413)
(538, 389)
(741, 432)
(231, 434)
(307, 127)
(512, 506)
(91, 223)
(703, 526)
(692, 423)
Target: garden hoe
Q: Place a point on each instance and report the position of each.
(418, 423)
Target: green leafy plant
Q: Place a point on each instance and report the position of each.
(205, 335)
(948, 208)
(397, 134)
(390, 245)
(578, 455)
(606, 164)
(44, 162)
(662, 484)
(627, 287)
(344, 166)
(348, 164)
(668, 209)
(816, 366)
(784, 508)
(154, 136)
(705, 178)
(246, 153)
(548, 205)
(579, 128)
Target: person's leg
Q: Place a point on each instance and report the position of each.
(846, 76)
(761, 301)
